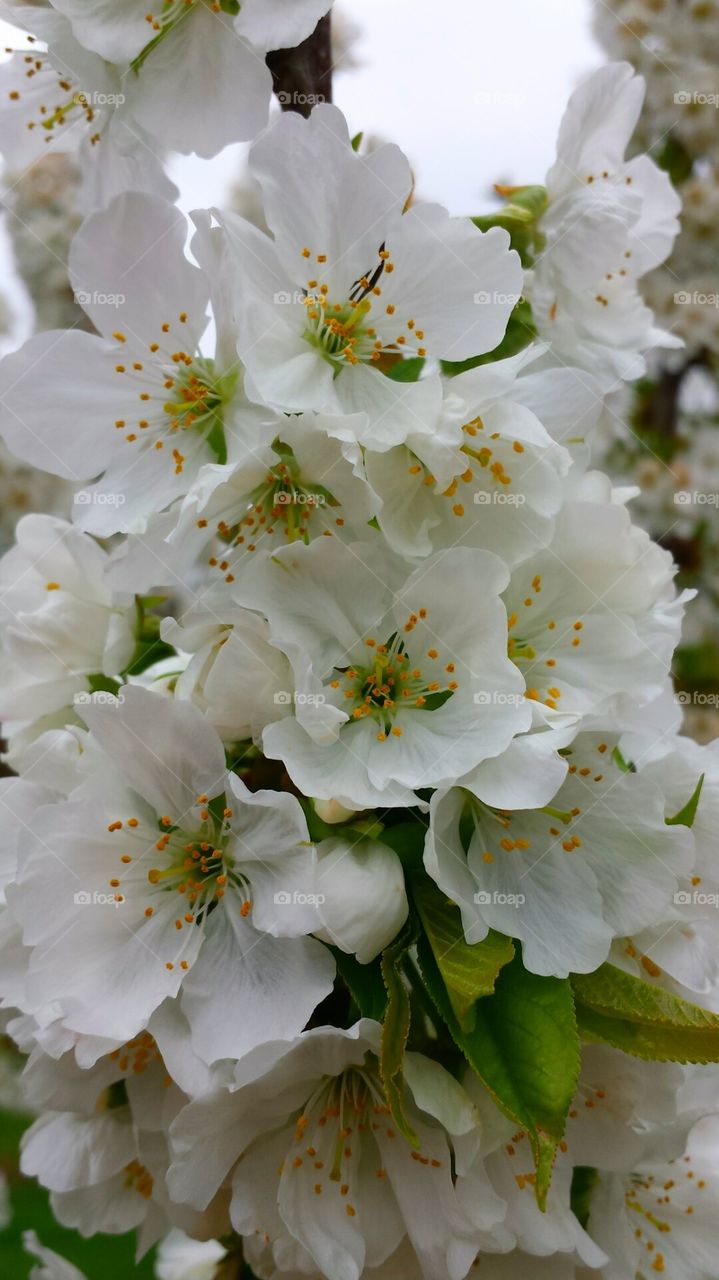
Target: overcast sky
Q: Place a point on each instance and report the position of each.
(473, 91)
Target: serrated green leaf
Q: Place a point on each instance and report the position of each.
(685, 817)
(618, 1009)
(525, 1049)
(395, 1028)
(364, 982)
(469, 971)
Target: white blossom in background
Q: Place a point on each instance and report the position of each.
(607, 223)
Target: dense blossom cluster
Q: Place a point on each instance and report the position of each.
(671, 449)
(359, 887)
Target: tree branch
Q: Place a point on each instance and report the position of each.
(302, 77)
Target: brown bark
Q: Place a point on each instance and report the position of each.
(302, 77)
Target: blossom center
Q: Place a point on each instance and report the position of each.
(345, 329)
(285, 507)
(391, 683)
(179, 392)
(196, 864)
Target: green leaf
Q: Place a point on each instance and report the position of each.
(407, 839)
(407, 370)
(469, 971)
(525, 1049)
(584, 1180)
(103, 684)
(685, 817)
(356, 142)
(618, 1009)
(395, 1028)
(675, 159)
(365, 984)
(230, 6)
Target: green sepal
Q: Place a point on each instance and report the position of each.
(686, 815)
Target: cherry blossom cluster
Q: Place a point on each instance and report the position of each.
(360, 891)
